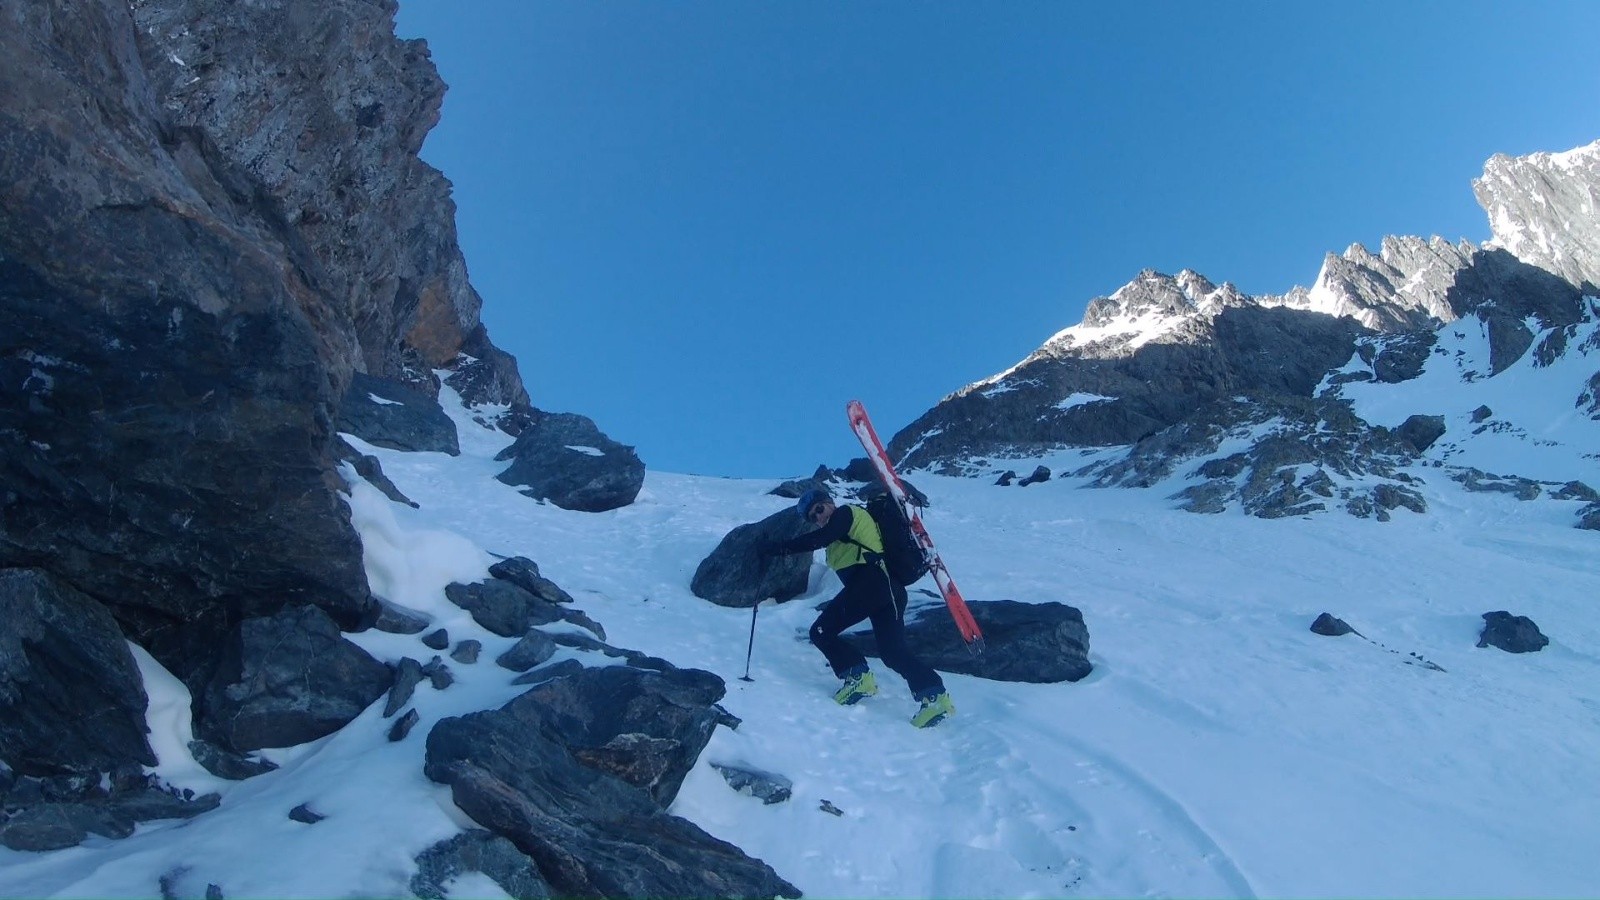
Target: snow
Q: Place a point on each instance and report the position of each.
(1537, 429)
(1081, 399)
(586, 451)
(1219, 749)
(383, 401)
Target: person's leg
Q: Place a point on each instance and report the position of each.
(846, 609)
(890, 633)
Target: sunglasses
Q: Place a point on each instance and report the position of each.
(817, 510)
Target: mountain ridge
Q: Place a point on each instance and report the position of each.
(1165, 350)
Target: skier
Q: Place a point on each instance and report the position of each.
(854, 545)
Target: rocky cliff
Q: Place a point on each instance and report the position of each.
(211, 216)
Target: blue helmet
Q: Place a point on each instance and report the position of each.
(809, 499)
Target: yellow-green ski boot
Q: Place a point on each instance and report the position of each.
(857, 686)
(935, 709)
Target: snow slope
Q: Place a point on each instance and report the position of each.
(1220, 748)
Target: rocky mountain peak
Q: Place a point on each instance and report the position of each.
(1544, 209)
(1167, 367)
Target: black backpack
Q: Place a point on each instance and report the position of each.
(902, 555)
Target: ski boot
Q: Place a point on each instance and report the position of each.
(935, 709)
(859, 684)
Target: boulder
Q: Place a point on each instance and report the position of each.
(768, 787)
(408, 674)
(71, 696)
(1513, 634)
(476, 850)
(736, 574)
(1030, 642)
(1421, 431)
(509, 610)
(285, 680)
(565, 459)
(535, 648)
(524, 573)
(1329, 625)
(225, 763)
(1040, 474)
(388, 413)
(600, 829)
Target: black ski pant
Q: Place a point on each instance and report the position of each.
(868, 594)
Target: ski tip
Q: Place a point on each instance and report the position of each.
(975, 646)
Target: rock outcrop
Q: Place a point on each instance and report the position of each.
(1542, 208)
(578, 772)
(285, 680)
(565, 459)
(71, 701)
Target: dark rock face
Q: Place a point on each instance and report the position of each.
(478, 851)
(1104, 391)
(736, 575)
(285, 680)
(326, 110)
(565, 459)
(1513, 634)
(386, 413)
(486, 375)
(598, 831)
(71, 698)
(1038, 643)
(211, 214)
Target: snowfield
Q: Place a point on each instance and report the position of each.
(1219, 749)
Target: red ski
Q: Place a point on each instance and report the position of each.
(862, 426)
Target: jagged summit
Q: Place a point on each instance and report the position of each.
(1167, 364)
(1543, 210)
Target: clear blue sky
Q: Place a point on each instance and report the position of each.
(709, 225)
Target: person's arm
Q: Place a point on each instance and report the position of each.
(837, 529)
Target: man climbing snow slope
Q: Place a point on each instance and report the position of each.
(855, 551)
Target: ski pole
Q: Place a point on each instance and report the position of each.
(752, 647)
